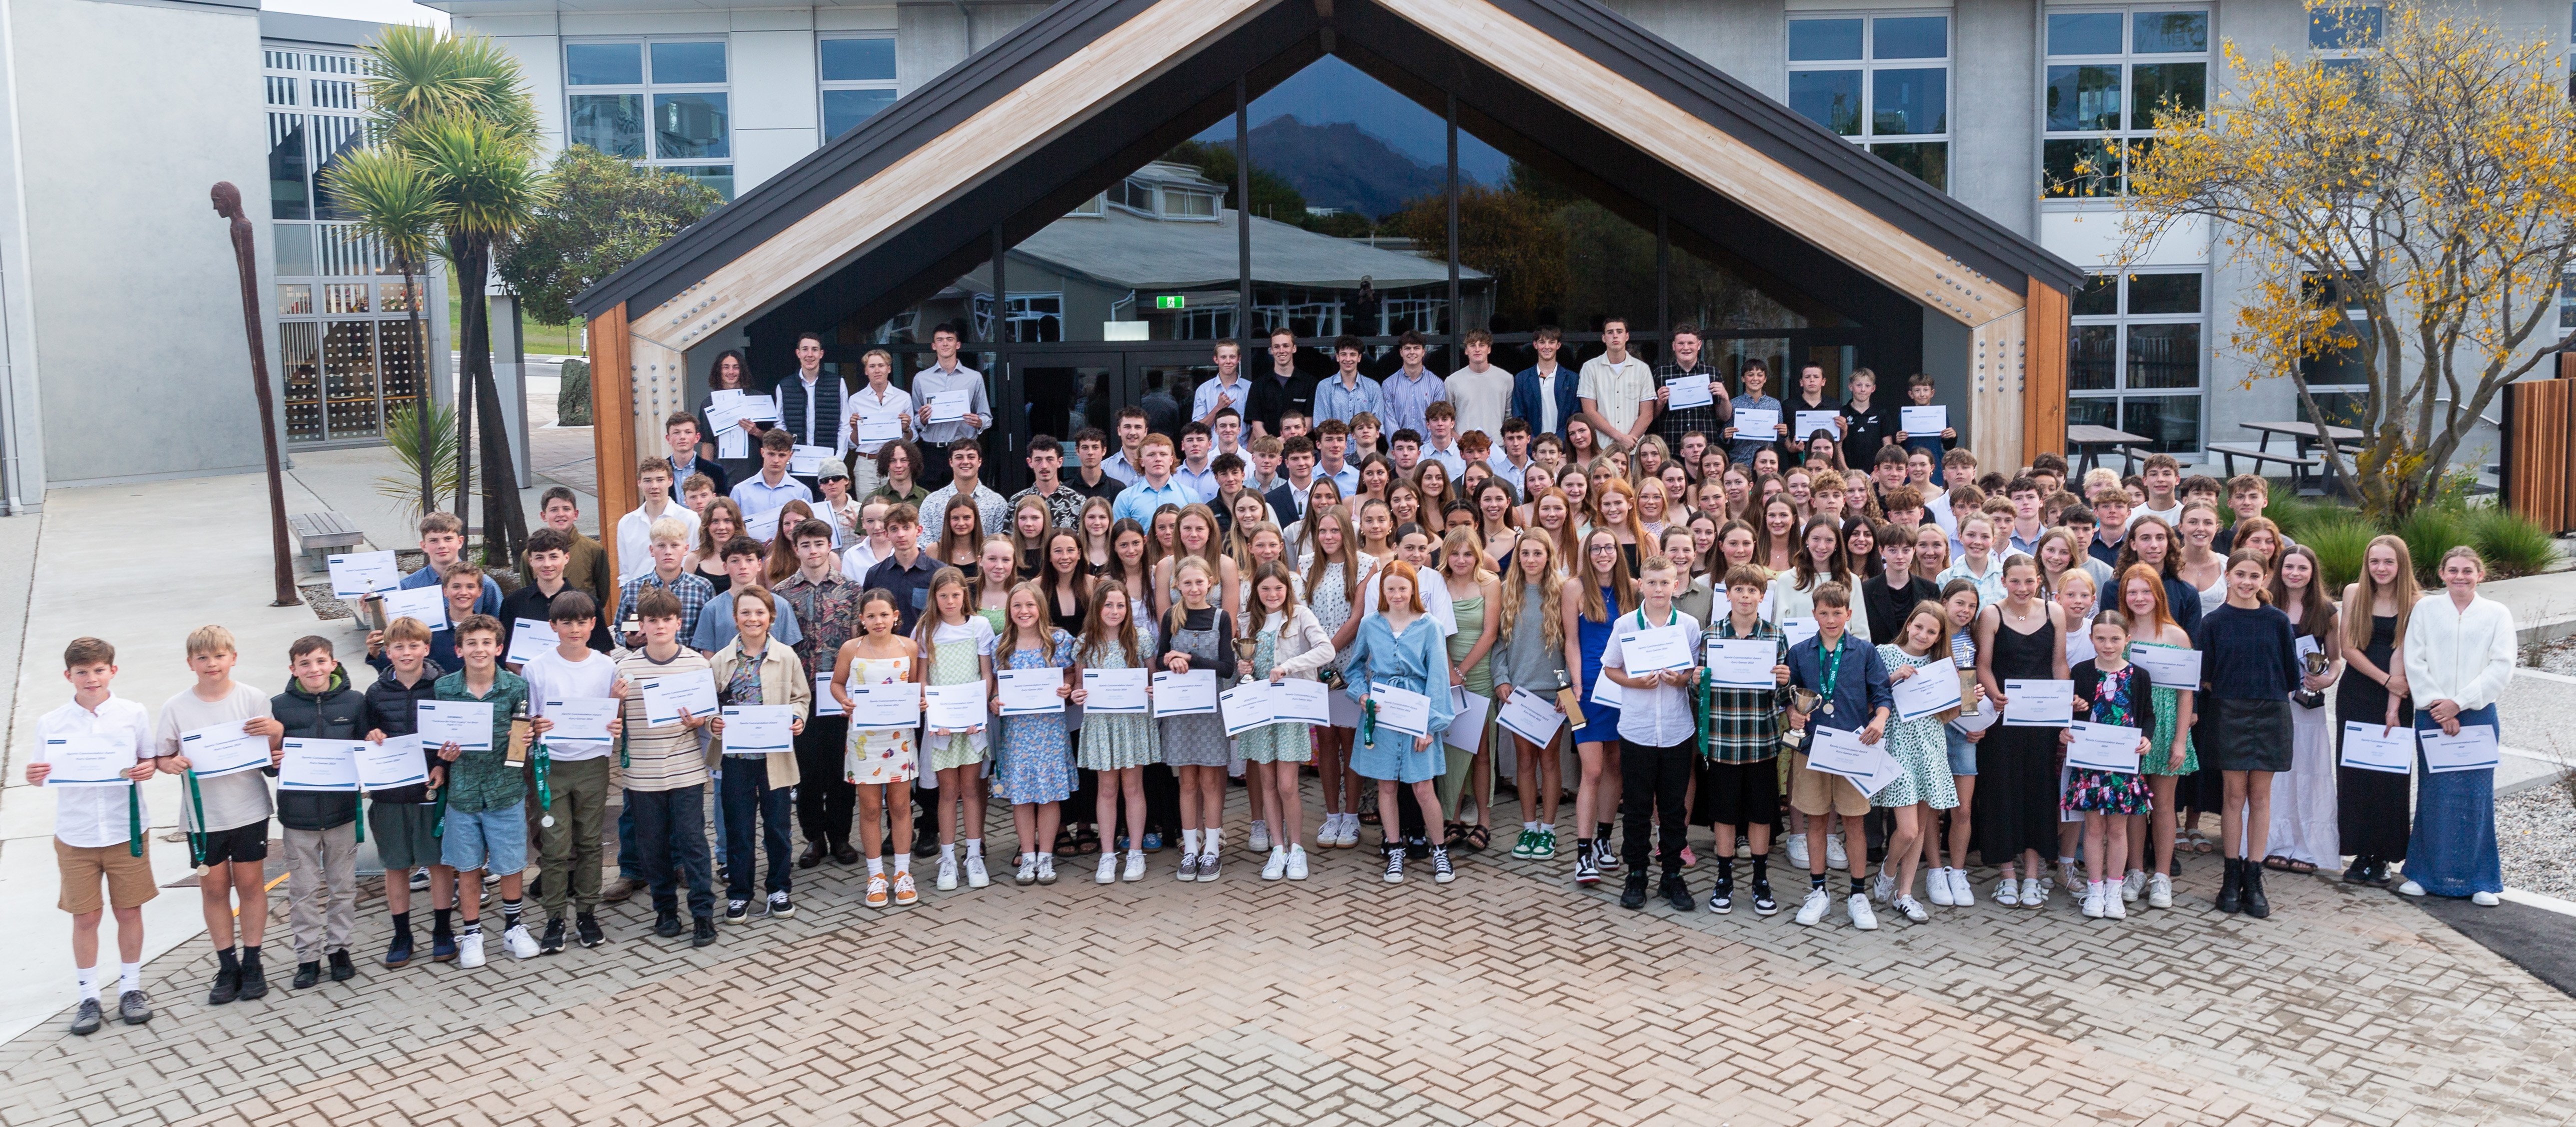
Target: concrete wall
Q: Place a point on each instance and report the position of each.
(1748, 41)
(136, 308)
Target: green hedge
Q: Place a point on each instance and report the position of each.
(572, 397)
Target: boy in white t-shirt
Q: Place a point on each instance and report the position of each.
(226, 816)
(573, 773)
(98, 830)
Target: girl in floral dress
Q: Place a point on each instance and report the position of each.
(1921, 747)
(881, 762)
(1116, 747)
(2109, 690)
(1036, 761)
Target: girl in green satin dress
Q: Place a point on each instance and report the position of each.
(1472, 589)
(2169, 753)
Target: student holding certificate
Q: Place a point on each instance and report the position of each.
(1289, 642)
(2109, 690)
(1198, 634)
(1117, 746)
(2459, 657)
(956, 648)
(1921, 746)
(1036, 768)
(1600, 588)
(757, 668)
(2169, 754)
(2249, 666)
(226, 815)
(1529, 660)
(1741, 790)
(2017, 640)
(98, 830)
(880, 762)
(1849, 685)
(2372, 811)
(1401, 647)
(1656, 730)
(321, 825)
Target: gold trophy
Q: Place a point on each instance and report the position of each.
(1244, 648)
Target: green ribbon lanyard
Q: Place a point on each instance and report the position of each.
(134, 819)
(1832, 674)
(438, 815)
(545, 791)
(197, 836)
(1368, 723)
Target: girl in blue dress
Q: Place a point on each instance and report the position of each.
(1601, 589)
(1036, 769)
(1402, 648)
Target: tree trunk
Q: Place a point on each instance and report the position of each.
(420, 373)
(504, 523)
(469, 296)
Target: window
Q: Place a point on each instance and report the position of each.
(1034, 317)
(2109, 73)
(2134, 357)
(858, 80)
(2338, 381)
(2340, 37)
(1883, 81)
(1187, 204)
(661, 103)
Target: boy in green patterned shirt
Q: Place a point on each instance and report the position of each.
(486, 821)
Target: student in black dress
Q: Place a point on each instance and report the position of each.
(1067, 582)
(2249, 666)
(2016, 816)
(2371, 807)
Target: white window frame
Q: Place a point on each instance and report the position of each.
(827, 85)
(2119, 393)
(649, 89)
(2128, 57)
(1869, 64)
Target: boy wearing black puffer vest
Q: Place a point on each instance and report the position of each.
(404, 820)
(321, 826)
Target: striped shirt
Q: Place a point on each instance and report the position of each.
(1744, 724)
(669, 756)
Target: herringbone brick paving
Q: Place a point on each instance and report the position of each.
(1503, 998)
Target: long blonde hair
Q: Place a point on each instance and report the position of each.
(2404, 593)
(1516, 589)
(1349, 557)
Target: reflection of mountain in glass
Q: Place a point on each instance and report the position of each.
(1337, 164)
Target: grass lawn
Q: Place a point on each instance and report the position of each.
(553, 340)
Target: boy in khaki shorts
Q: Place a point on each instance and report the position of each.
(1852, 693)
(98, 827)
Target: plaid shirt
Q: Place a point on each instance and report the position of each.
(1710, 420)
(828, 613)
(1064, 506)
(693, 591)
(1744, 724)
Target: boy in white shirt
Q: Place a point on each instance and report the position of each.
(98, 830)
(635, 529)
(226, 816)
(870, 546)
(1657, 735)
(572, 774)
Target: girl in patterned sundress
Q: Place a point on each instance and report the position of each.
(1920, 746)
(1116, 747)
(1198, 635)
(956, 649)
(2109, 690)
(1036, 760)
(1335, 570)
(1289, 642)
(881, 762)
(2169, 756)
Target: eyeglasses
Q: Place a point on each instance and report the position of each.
(1605, 548)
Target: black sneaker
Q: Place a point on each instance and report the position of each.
(666, 923)
(398, 953)
(227, 986)
(308, 975)
(737, 911)
(254, 982)
(342, 970)
(553, 943)
(1677, 894)
(1763, 904)
(134, 1007)
(586, 927)
(1587, 868)
(706, 932)
(1417, 848)
(87, 1019)
(1441, 871)
(1721, 900)
(1394, 865)
(780, 906)
(1632, 895)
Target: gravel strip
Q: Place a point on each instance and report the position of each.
(2536, 837)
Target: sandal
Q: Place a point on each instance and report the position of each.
(1368, 810)
(1478, 837)
(2277, 863)
(1452, 834)
(2200, 842)
(2302, 867)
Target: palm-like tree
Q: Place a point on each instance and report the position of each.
(399, 208)
(457, 108)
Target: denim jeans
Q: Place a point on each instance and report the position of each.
(751, 803)
(671, 827)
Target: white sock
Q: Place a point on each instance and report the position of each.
(903, 862)
(948, 852)
(88, 977)
(1189, 841)
(1046, 858)
(1547, 827)
(129, 976)
(876, 866)
(975, 847)
(1213, 839)
(1529, 827)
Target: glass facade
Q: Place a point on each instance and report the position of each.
(2137, 356)
(2108, 74)
(663, 103)
(1883, 81)
(858, 76)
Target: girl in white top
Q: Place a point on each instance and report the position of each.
(1976, 562)
(1295, 645)
(1820, 560)
(869, 546)
(2200, 566)
(957, 648)
(2459, 657)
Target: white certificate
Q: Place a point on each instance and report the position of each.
(465, 723)
(1923, 422)
(825, 704)
(397, 762)
(224, 749)
(885, 706)
(428, 604)
(2039, 704)
(732, 443)
(1467, 712)
(1115, 692)
(950, 406)
(320, 764)
(1837, 752)
(1401, 710)
(2473, 749)
(2170, 667)
(1743, 663)
(1246, 707)
(666, 697)
(758, 729)
(1192, 693)
(763, 525)
(528, 638)
(1656, 649)
(956, 708)
(757, 408)
(1531, 716)
(1932, 689)
(880, 426)
(1798, 629)
(89, 761)
(807, 461)
(363, 573)
(1030, 692)
(1300, 701)
(1757, 423)
(1809, 422)
(2103, 747)
(1689, 391)
(579, 720)
(1607, 693)
(2366, 747)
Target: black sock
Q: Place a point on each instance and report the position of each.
(1816, 881)
(439, 921)
(1856, 890)
(1761, 868)
(1584, 844)
(1601, 830)
(1726, 870)
(228, 959)
(402, 923)
(250, 955)
(510, 910)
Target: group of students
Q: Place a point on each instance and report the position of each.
(1447, 566)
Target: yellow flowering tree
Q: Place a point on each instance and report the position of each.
(2406, 217)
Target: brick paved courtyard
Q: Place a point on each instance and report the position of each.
(1502, 998)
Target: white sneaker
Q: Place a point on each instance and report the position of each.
(1798, 852)
(519, 943)
(976, 877)
(1813, 909)
(1277, 866)
(2159, 890)
(2112, 906)
(1912, 910)
(1135, 866)
(1882, 887)
(2133, 886)
(1260, 835)
(1108, 872)
(2034, 894)
(1936, 884)
(1858, 909)
(2093, 902)
(469, 948)
(1046, 868)
(2485, 899)
(2005, 894)
(1962, 893)
(2410, 888)
(1028, 872)
(947, 874)
(1835, 858)
(1296, 862)
(1349, 838)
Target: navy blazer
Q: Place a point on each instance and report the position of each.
(1525, 397)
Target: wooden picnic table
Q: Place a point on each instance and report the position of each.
(2089, 440)
(2303, 436)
